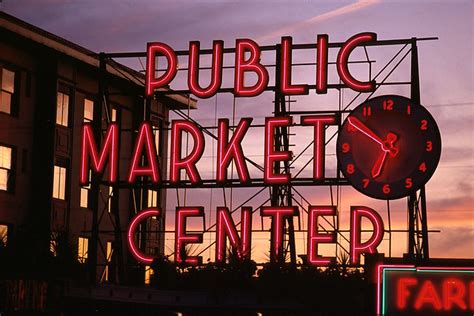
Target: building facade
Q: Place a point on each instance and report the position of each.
(50, 87)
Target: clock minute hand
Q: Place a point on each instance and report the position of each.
(364, 130)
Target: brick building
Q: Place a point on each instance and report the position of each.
(49, 88)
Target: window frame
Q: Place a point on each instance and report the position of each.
(8, 235)
(85, 256)
(88, 98)
(66, 90)
(14, 101)
(62, 164)
(11, 175)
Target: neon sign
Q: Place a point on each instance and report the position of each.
(373, 148)
(226, 228)
(409, 290)
(252, 64)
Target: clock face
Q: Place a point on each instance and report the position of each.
(388, 147)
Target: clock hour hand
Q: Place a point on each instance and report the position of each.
(377, 169)
(364, 130)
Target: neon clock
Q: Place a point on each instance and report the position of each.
(388, 147)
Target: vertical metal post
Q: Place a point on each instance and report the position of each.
(281, 194)
(418, 247)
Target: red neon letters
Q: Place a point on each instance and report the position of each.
(370, 246)
(274, 156)
(225, 227)
(187, 163)
(319, 123)
(278, 215)
(193, 74)
(132, 228)
(251, 65)
(226, 151)
(343, 58)
(285, 73)
(322, 64)
(151, 82)
(89, 149)
(181, 238)
(315, 238)
(144, 140)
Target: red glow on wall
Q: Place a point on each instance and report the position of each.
(132, 228)
(370, 246)
(322, 64)
(271, 155)
(343, 59)
(225, 227)
(89, 150)
(285, 73)
(187, 163)
(182, 238)
(315, 238)
(151, 82)
(250, 65)
(231, 150)
(216, 73)
(319, 122)
(144, 142)
(278, 215)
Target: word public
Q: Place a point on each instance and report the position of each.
(252, 64)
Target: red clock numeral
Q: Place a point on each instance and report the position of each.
(386, 189)
(408, 183)
(365, 183)
(388, 105)
(350, 168)
(422, 167)
(409, 110)
(346, 148)
(424, 125)
(367, 111)
(429, 146)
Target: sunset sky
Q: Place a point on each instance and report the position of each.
(446, 75)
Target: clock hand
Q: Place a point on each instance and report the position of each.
(377, 169)
(364, 130)
(388, 144)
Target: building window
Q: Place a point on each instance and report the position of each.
(108, 259)
(148, 274)
(59, 183)
(62, 109)
(7, 90)
(5, 167)
(113, 115)
(152, 198)
(88, 110)
(110, 198)
(53, 244)
(156, 136)
(82, 249)
(85, 193)
(3, 235)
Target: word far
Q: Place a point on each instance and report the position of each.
(226, 229)
(228, 150)
(247, 61)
